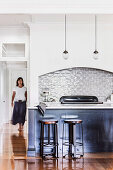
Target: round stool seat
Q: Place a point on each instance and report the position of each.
(73, 121)
(49, 121)
(48, 117)
(69, 116)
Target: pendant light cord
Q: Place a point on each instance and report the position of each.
(95, 32)
(65, 53)
(65, 32)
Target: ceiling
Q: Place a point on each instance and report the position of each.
(56, 6)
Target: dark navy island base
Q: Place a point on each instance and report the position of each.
(97, 126)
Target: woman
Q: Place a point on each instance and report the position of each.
(19, 99)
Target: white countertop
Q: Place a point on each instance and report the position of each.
(58, 105)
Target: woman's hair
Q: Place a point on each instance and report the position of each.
(20, 78)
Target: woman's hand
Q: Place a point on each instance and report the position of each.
(13, 96)
(12, 104)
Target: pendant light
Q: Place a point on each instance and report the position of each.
(65, 53)
(95, 53)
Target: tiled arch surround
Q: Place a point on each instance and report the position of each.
(77, 81)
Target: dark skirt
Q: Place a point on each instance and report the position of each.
(19, 113)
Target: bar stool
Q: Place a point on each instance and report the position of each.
(50, 142)
(71, 141)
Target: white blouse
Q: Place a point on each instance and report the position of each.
(20, 93)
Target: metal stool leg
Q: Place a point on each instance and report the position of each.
(54, 140)
(57, 139)
(74, 139)
(70, 138)
(48, 134)
(82, 141)
(62, 139)
(42, 139)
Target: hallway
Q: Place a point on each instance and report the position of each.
(13, 155)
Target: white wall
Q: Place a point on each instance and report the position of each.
(14, 34)
(47, 45)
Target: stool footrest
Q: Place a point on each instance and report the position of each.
(77, 143)
(48, 145)
(72, 155)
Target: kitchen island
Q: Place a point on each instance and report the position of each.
(97, 125)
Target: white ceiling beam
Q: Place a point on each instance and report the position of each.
(56, 8)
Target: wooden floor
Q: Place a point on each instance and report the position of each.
(13, 155)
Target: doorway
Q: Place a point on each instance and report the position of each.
(3, 94)
(9, 72)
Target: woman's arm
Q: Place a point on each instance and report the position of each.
(26, 95)
(13, 96)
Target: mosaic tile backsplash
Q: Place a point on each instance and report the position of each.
(76, 81)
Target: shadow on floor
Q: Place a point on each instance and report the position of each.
(18, 144)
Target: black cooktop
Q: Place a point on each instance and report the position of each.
(79, 100)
